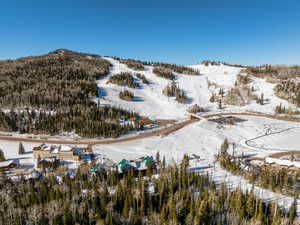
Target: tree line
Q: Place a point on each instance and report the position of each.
(139, 65)
(178, 197)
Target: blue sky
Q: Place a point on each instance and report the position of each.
(183, 32)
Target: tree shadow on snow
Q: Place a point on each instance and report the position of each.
(18, 158)
(137, 99)
(27, 165)
(193, 169)
(189, 101)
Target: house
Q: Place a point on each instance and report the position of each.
(105, 162)
(141, 164)
(124, 165)
(9, 164)
(61, 152)
(34, 175)
(98, 167)
(149, 161)
(48, 162)
(72, 173)
(87, 157)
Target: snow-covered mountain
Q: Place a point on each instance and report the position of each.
(199, 88)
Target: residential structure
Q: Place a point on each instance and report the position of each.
(60, 152)
(140, 164)
(8, 164)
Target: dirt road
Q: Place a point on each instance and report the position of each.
(163, 131)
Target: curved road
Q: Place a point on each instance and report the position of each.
(164, 131)
(264, 135)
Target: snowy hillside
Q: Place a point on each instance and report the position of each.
(150, 101)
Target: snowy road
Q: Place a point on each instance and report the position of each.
(250, 144)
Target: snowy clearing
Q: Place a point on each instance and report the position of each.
(11, 149)
(204, 139)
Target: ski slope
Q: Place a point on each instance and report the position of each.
(152, 103)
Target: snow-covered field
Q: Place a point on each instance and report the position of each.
(11, 149)
(204, 139)
(282, 140)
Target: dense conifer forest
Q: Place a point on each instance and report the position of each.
(54, 92)
(289, 90)
(124, 79)
(126, 95)
(174, 197)
(274, 71)
(164, 73)
(132, 64)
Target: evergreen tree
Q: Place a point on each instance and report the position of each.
(225, 146)
(262, 100)
(202, 216)
(240, 207)
(126, 207)
(21, 149)
(250, 206)
(163, 215)
(2, 157)
(164, 162)
(276, 220)
(157, 158)
(220, 104)
(293, 210)
(260, 212)
(212, 98)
